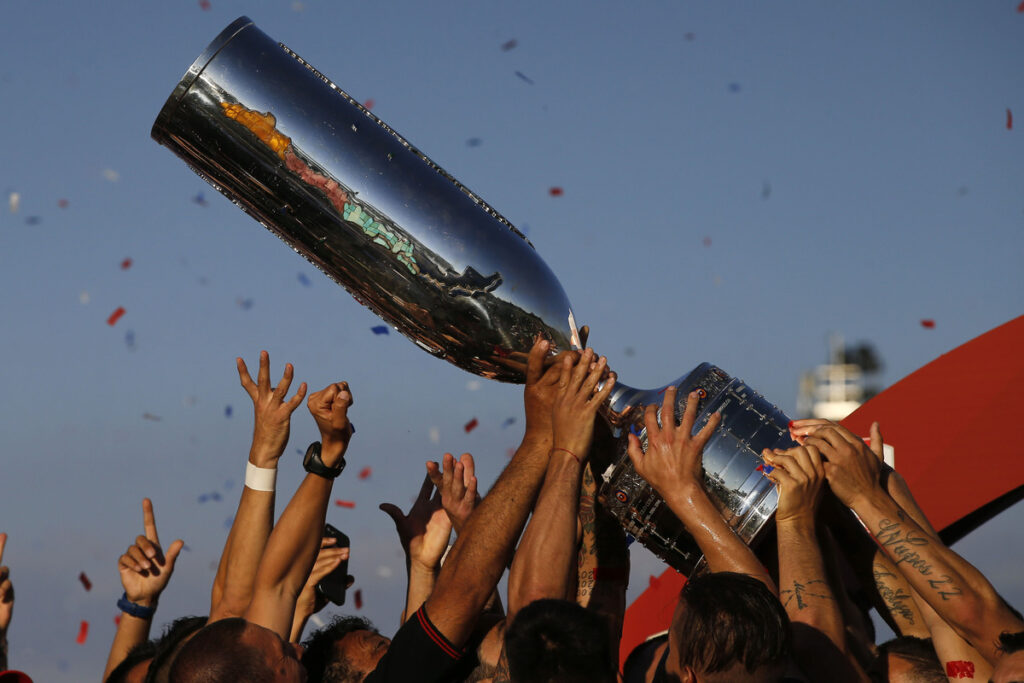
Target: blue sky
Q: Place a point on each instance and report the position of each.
(740, 180)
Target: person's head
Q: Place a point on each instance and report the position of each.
(344, 651)
(1010, 666)
(558, 641)
(176, 634)
(134, 667)
(236, 650)
(728, 627)
(908, 660)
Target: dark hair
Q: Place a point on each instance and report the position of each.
(1011, 642)
(217, 654)
(169, 644)
(555, 641)
(137, 654)
(322, 660)
(729, 618)
(920, 652)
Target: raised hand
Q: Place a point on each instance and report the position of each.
(674, 457)
(799, 475)
(273, 413)
(542, 386)
(6, 593)
(329, 407)
(851, 467)
(577, 401)
(457, 485)
(327, 560)
(425, 530)
(145, 569)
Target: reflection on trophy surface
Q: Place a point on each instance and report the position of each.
(433, 259)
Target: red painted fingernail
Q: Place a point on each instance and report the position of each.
(791, 424)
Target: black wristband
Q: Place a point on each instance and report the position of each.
(135, 609)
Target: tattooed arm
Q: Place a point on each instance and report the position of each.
(819, 635)
(958, 592)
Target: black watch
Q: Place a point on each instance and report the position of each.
(315, 465)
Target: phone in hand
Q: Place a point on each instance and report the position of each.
(333, 585)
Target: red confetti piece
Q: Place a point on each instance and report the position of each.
(365, 473)
(556, 192)
(928, 323)
(126, 264)
(205, 5)
(85, 581)
(1009, 116)
(1020, 7)
(706, 241)
(62, 203)
(115, 316)
(368, 104)
(359, 598)
(83, 633)
(471, 425)
(345, 504)
(117, 620)
(961, 669)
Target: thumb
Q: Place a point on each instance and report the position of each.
(877, 446)
(171, 556)
(636, 454)
(393, 511)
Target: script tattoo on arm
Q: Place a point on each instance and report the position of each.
(895, 599)
(901, 543)
(800, 591)
(944, 587)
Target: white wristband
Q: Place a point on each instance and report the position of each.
(260, 478)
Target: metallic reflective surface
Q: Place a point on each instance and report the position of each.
(732, 479)
(362, 204)
(423, 252)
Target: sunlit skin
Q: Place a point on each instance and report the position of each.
(363, 649)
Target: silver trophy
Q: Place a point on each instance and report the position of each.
(430, 257)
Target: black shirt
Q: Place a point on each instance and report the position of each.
(418, 652)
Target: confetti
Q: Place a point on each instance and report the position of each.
(629, 351)
(960, 668)
(151, 417)
(384, 572)
(524, 77)
(368, 104)
(359, 598)
(345, 504)
(474, 142)
(83, 633)
(435, 435)
(227, 411)
(509, 45)
(689, 36)
(244, 304)
(304, 281)
(115, 316)
(83, 297)
(471, 425)
(200, 200)
(767, 469)
(205, 5)
(365, 473)
(379, 329)
(734, 87)
(14, 202)
(126, 264)
(928, 323)
(228, 523)
(1020, 7)
(203, 497)
(33, 220)
(473, 385)
(111, 175)
(509, 421)
(86, 583)
(766, 190)
(706, 241)
(298, 6)
(556, 192)
(62, 203)
(1009, 120)
(215, 496)
(117, 620)
(129, 340)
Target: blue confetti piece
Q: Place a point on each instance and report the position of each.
(508, 422)
(229, 484)
(244, 304)
(474, 142)
(129, 340)
(200, 199)
(33, 220)
(228, 522)
(186, 548)
(204, 497)
(227, 411)
(734, 87)
(215, 496)
(379, 329)
(524, 77)
(304, 280)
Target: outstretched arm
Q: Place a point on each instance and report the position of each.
(232, 587)
(292, 547)
(672, 465)
(310, 601)
(479, 556)
(543, 561)
(819, 635)
(6, 604)
(958, 592)
(145, 571)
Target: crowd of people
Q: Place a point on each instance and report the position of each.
(848, 537)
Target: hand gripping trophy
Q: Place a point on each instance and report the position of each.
(429, 256)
